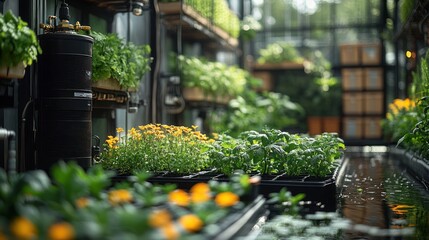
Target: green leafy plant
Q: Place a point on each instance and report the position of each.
(253, 111)
(275, 152)
(279, 52)
(324, 90)
(417, 139)
(214, 78)
(18, 43)
(155, 148)
(124, 62)
(400, 118)
(75, 204)
(249, 26)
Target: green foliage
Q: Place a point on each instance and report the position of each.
(252, 111)
(324, 91)
(273, 152)
(279, 52)
(400, 118)
(406, 9)
(18, 43)
(155, 148)
(124, 62)
(87, 205)
(285, 202)
(214, 78)
(248, 28)
(219, 14)
(407, 121)
(417, 139)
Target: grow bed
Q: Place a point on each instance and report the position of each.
(320, 192)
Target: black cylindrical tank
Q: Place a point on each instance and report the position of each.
(64, 100)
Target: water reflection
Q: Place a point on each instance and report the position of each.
(381, 200)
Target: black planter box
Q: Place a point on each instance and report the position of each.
(419, 167)
(320, 192)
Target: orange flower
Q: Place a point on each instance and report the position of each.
(23, 229)
(120, 196)
(61, 231)
(226, 199)
(119, 130)
(159, 218)
(170, 232)
(191, 223)
(200, 192)
(82, 202)
(179, 197)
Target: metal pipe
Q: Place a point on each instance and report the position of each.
(10, 136)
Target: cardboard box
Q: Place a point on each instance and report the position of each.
(350, 54)
(373, 103)
(373, 79)
(352, 103)
(372, 128)
(352, 127)
(352, 78)
(371, 53)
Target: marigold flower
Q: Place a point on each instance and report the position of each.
(179, 197)
(191, 223)
(82, 202)
(61, 231)
(170, 232)
(200, 192)
(226, 199)
(23, 229)
(200, 187)
(159, 218)
(119, 130)
(120, 196)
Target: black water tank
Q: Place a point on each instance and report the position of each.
(64, 100)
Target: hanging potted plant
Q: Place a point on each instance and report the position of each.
(18, 46)
(117, 65)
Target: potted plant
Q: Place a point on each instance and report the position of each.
(253, 111)
(279, 54)
(248, 28)
(324, 94)
(118, 65)
(18, 46)
(210, 81)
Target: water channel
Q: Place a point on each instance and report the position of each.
(378, 199)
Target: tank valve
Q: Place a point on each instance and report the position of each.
(64, 25)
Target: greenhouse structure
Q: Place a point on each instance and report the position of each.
(214, 119)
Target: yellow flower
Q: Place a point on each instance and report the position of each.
(120, 196)
(23, 229)
(170, 232)
(159, 218)
(82, 202)
(191, 223)
(179, 197)
(61, 231)
(119, 130)
(226, 199)
(200, 192)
